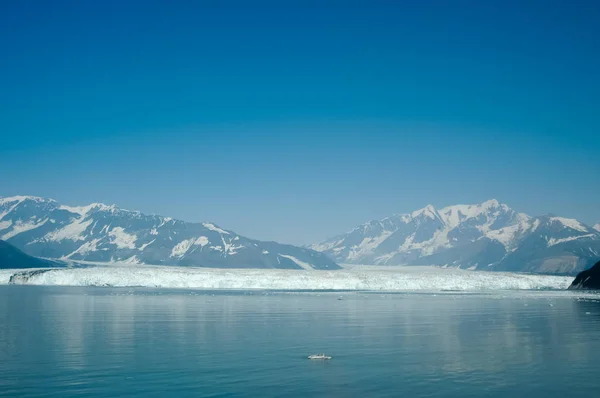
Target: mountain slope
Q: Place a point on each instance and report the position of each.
(100, 233)
(489, 235)
(11, 257)
(588, 279)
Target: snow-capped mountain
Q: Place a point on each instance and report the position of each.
(489, 236)
(100, 233)
(597, 227)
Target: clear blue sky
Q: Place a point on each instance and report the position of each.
(297, 120)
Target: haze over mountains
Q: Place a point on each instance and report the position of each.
(487, 236)
(100, 233)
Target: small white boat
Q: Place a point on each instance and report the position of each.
(319, 356)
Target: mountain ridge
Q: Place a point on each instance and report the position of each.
(489, 235)
(11, 257)
(106, 233)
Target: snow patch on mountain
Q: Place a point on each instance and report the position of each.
(145, 245)
(74, 231)
(16, 200)
(367, 245)
(182, 247)
(122, 239)
(553, 241)
(9, 210)
(570, 223)
(86, 248)
(452, 216)
(133, 260)
(428, 211)
(5, 225)
(213, 227)
(509, 235)
(23, 226)
(230, 248)
(328, 245)
(302, 264)
(202, 241)
(81, 210)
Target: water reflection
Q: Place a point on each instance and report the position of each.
(99, 341)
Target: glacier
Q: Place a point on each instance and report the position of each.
(396, 279)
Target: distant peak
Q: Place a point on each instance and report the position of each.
(22, 198)
(491, 203)
(428, 211)
(96, 207)
(105, 207)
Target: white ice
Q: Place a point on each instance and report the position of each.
(357, 278)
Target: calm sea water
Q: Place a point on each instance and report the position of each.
(103, 342)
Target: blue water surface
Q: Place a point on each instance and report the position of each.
(108, 342)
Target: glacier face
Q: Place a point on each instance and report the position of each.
(401, 279)
(488, 236)
(100, 233)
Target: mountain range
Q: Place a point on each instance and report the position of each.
(486, 236)
(107, 234)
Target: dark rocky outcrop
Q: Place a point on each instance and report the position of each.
(11, 257)
(588, 279)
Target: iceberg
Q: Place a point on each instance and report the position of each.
(365, 279)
